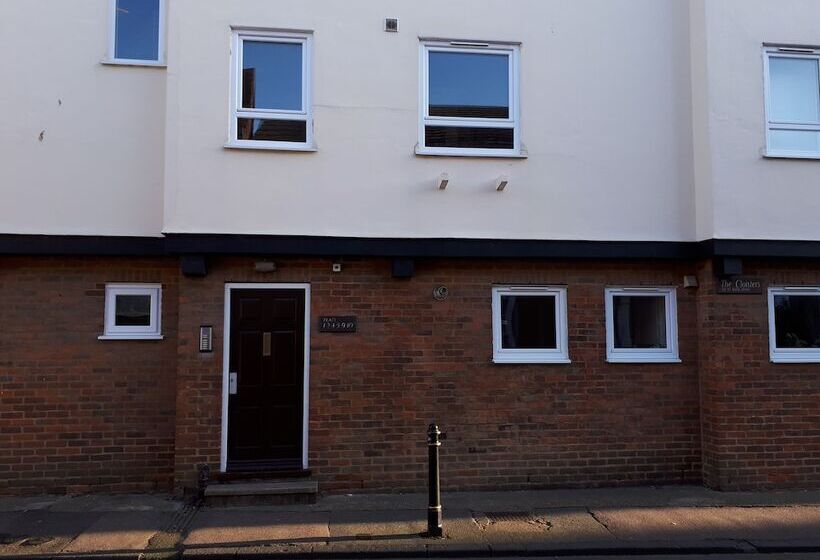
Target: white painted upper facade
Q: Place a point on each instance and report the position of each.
(637, 120)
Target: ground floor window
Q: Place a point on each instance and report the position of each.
(641, 325)
(530, 325)
(132, 311)
(794, 324)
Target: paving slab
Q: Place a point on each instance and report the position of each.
(462, 536)
(653, 496)
(120, 531)
(219, 527)
(685, 525)
(46, 532)
(512, 530)
(120, 502)
(775, 526)
(672, 525)
(569, 527)
(372, 525)
(27, 503)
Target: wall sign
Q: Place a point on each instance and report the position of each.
(337, 324)
(740, 285)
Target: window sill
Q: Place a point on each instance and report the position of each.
(530, 360)
(815, 359)
(466, 152)
(269, 148)
(639, 360)
(144, 63)
(130, 337)
(787, 155)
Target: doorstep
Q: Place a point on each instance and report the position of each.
(262, 492)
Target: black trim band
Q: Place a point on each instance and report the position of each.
(762, 248)
(76, 245)
(434, 248)
(272, 245)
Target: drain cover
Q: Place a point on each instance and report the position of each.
(508, 516)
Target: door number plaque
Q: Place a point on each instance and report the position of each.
(338, 324)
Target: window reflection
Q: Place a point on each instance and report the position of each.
(271, 130)
(528, 322)
(272, 75)
(132, 310)
(797, 321)
(639, 321)
(136, 35)
(795, 89)
(469, 85)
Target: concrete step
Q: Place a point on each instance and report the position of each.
(262, 492)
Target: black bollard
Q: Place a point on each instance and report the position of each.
(434, 529)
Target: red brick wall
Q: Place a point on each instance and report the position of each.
(415, 359)
(761, 421)
(78, 414)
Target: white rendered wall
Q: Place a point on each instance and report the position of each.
(643, 120)
(98, 169)
(606, 120)
(754, 197)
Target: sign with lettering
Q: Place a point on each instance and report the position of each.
(740, 285)
(336, 324)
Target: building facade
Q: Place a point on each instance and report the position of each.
(281, 240)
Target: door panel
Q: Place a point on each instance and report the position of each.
(265, 416)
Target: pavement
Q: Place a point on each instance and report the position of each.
(667, 522)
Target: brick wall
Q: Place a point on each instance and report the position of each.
(415, 359)
(761, 421)
(78, 414)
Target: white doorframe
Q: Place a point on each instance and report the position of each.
(226, 363)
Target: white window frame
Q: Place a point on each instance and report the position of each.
(771, 125)
(305, 39)
(559, 355)
(643, 355)
(150, 332)
(512, 50)
(790, 355)
(112, 39)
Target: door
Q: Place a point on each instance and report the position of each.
(267, 353)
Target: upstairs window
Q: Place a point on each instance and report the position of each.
(641, 325)
(469, 99)
(271, 91)
(794, 324)
(137, 32)
(793, 102)
(530, 325)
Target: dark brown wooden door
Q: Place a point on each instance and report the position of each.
(265, 415)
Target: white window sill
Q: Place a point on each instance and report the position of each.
(813, 359)
(468, 152)
(269, 148)
(529, 360)
(787, 155)
(640, 360)
(124, 62)
(130, 337)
